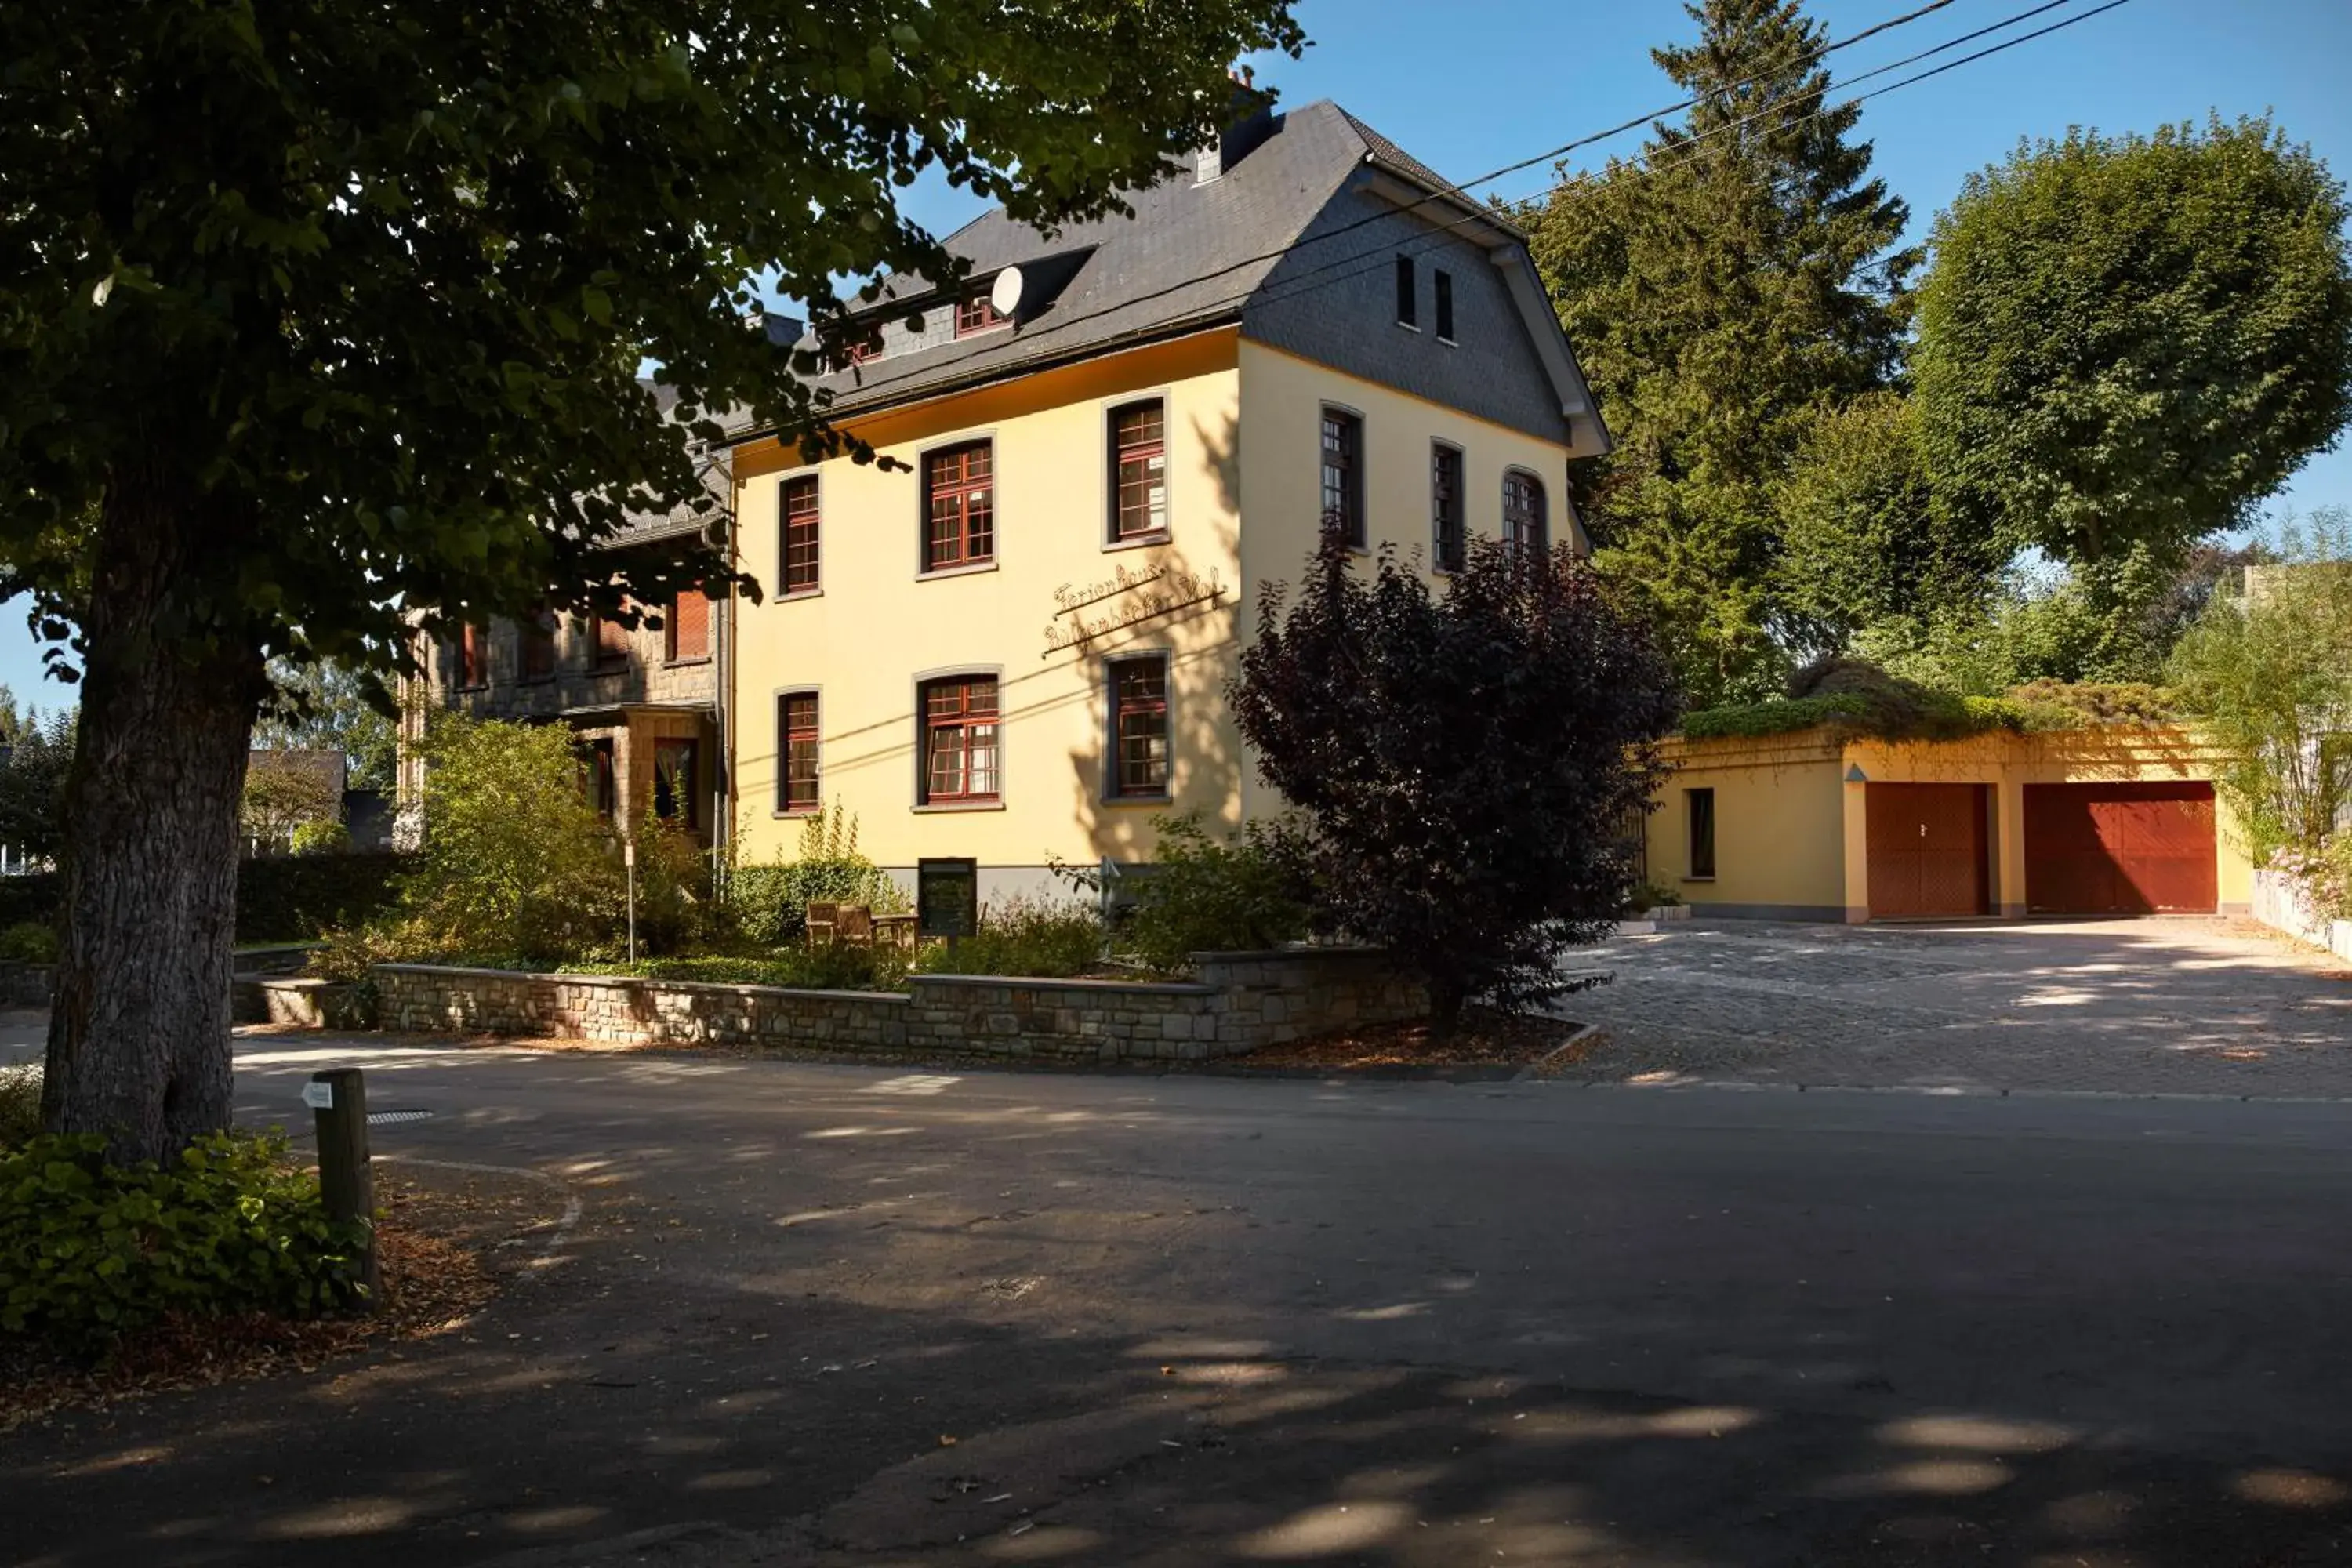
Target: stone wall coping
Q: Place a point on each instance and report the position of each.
(1095, 986)
(291, 982)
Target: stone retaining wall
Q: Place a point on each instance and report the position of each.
(1239, 1002)
(2284, 903)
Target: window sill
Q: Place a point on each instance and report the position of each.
(1449, 343)
(797, 813)
(952, 806)
(1410, 327)
(973, 569)
(536, 680)
(685, 663)
(1705, 878)
(619, 667)
(1140, 541)
(798, 594)
(1162, 800)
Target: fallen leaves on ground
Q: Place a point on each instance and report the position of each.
(435, 1280)
(1486, 1037)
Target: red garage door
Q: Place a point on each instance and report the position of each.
(1926, 850)
(2119, 849)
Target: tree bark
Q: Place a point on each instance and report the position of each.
(139, 1030)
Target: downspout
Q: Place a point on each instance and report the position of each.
(722, 777)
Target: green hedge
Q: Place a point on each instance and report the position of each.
(289, 899)
(295, 898)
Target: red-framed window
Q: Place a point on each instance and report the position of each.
(865, 351)
(1139, 446)
(800, 525)
(473, 658)
(1139, 704)
(800, 788)
(678, 795)
(1446, 525)
(976, 316)
(960, 506)
(961, 741)
(1343, 475)
(1524, 523)
(538, 635)
(689, 625)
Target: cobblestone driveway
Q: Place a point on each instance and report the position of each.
(2168, 1005)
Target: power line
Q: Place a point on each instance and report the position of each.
(1306, 282)
(1381, 254)
(1803, 60)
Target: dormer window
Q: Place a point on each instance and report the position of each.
(864, 353)
(976, 316)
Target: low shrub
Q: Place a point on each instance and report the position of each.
(1044, 939)
(674, 910)
(1199, 895)
(295, 898)
(20, 1105)
(769, 904)
(2073, 704)
(89, 1251)
(29, 941)
(1650, 896)
(311, 839)
(828, 966)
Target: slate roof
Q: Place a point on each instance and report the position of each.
(715, 465)
(1189, 258)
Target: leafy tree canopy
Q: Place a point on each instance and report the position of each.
(1738, 278)
(331, 705)
(364, 290)
(317, 313)
(1466, 763)
(1863, 536)
(2268, 670)
(2128, 341)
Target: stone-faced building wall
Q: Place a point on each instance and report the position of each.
(644, 700)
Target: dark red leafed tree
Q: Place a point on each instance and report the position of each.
(1468, 761)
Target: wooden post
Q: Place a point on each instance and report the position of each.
(339, 1099)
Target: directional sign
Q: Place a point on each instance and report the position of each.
(318, 1096)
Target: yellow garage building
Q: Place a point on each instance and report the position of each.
(1826, 824)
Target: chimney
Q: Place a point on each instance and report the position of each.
(1250, 121)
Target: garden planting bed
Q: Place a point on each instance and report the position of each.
(437, 1237)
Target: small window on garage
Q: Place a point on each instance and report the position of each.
(1700, 820)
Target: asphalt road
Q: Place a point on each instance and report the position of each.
(833, 1314)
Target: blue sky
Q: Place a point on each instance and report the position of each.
(1470, 85)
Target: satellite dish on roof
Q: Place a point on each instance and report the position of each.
(1005, 292)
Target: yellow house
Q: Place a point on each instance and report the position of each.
(1827, 825)
(1010, 639)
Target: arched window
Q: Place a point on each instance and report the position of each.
(1525, 526)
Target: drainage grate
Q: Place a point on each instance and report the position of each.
(381, 1118)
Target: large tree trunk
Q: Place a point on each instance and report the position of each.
(139, 1033)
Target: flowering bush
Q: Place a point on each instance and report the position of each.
(2325, 874)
